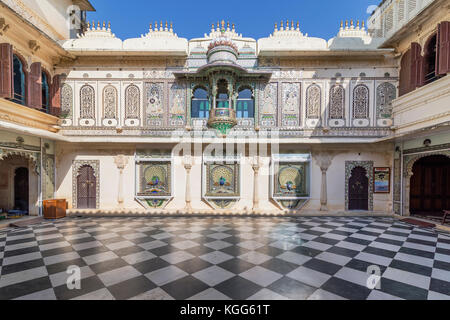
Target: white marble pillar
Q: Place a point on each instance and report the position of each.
(256, 166)
(188, 162)
(324, 160)
(121, 162)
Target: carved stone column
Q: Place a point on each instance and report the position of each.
(407, 193)
(324, 161)
(255, 166)
(121, 162)
(188, 162)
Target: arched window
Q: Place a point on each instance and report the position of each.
(361, 102)
(45, 93)
(132, 102)
(87, 102)
(200, 104)
(19, 80)
(430, 60)
(222, 98)
(245, 104)
(337, 102)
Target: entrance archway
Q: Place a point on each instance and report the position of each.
(358, 190)
(21, 190)
(430, 186)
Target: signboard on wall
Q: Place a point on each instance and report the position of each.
(382, 180)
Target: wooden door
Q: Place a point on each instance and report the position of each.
(86, 188)
(358, 190)
(430, 186)
(21, 190)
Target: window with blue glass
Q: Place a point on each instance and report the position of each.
(245, 107)
(200, 104)
(45, 93)
(19, 81)
(222, 98)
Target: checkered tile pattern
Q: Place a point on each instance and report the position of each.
(224, 258)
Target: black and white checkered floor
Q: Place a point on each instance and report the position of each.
(224, 258)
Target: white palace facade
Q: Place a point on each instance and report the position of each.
(225, 124)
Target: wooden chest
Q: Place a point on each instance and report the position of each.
(55, 208)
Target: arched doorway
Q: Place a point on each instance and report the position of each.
(430, 186)
(86, 188)
(358, 190)
(21, 190)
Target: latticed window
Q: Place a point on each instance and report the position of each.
(313, 102)
(66, 101)
(109, 102)
(245, 104)
(200, 104)
(87, 102)
(361, 102)
(132, 102)
(337, 102)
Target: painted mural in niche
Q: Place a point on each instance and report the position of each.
(222, 180)
(361, 102)
(386, 93)
(313, 102)
(109, 102)
(87, 102)
(337, 102)
(268, 104)
(290, 180)
(132, 102)
(291, 104)
(155, 179)
(177, 104)
(66, 101)
(154, 99)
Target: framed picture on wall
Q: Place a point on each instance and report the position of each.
(382, 180)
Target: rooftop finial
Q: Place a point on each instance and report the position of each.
(166, 28)
(233, 27)
(292, 24)
(156, 25)
(346, 24)
(363, 25)
(223, 25)
(98, 25)
(88, 25)
(218, 26)
(351, 23)
(228, 25)
(342, 24)
(161, 26)
(151, 27)
(281, 25)
(298, 26)
(109, 25)
(171, 26)
(276, 26)
(104, 25)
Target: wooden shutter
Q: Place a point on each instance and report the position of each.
(416, 66)
(405, 73)
(443, 48)
(6, 71)
(35, 86)
(55, 92)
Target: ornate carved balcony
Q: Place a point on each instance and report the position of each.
(222, 119)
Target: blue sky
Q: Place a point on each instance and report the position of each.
(255, 19)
